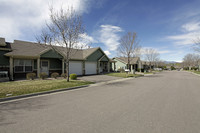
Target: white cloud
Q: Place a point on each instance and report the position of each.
(109, 35)
(21, 16)
(191, 32)
(158, 50)
(86, 40)
(107, 52)
(193, 26)
(163, 51)
(184, 39)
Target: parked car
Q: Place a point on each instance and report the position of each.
(158, 69)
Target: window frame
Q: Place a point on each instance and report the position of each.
(24, 65)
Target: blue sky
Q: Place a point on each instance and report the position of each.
(169, 26)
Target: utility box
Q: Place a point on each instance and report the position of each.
(4, 76)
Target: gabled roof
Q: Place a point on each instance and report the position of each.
(133, 60)
(34, 50)
(87, 52)
(28, 49)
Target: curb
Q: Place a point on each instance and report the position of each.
(193, 73)
(40, 93)
(146, 75)
(60, 90)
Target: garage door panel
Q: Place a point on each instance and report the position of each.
(75, 67)
(90, 68)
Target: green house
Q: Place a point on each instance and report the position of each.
(122, 63)
(21, 57)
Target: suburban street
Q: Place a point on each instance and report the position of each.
(167, 102)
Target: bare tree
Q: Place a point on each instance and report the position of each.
(45, 37)
(191, 60)
(129, 46)
(64, 30)
(197, 44)
(151, 55)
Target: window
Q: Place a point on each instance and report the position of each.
(23, 65)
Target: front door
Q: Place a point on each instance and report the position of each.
(45, 66)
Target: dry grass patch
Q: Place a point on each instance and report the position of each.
(32, 86)
(124, 75)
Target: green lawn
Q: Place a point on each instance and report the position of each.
(32, 86)
(148, 73)
(124, 75)
(197, 72)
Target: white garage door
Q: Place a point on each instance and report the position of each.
(90, 68)
(75, 67)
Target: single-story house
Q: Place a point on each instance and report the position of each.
(122, 63)
(145, 66)
(21, 57)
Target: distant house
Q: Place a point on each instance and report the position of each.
(135, 64)
(145, 65)
(122, 63)
(21, 57)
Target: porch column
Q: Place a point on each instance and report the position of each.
(131, 68)
(38, 67)
(11, 68)
(63, 66)
(199, 67)
(108, 65)
(140, 66)
(114, 67)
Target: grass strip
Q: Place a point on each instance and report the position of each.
(16, 88)
(124, 75)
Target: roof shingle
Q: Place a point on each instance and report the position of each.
(23, 48)
(133, 60)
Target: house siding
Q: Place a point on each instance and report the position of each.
(51, 54)
(119, 64)
(35, 64)
(95, 56)
(104, 59)
(55, 64)
(4, 61)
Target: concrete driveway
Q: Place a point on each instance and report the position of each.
(98, 78)
(168, 102)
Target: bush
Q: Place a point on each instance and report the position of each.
(55, 75)
(194, 68)
(43, 75)
(64, 75)
(173, 68)
(121, 70)
(142, 69)
(73, 76)
(30, 76)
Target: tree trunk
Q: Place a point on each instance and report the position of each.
(150, 66)
(67, 70)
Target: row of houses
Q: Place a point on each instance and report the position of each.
(21, 57)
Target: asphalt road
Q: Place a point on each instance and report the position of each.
(168, 102)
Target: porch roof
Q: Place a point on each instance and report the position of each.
(133, 60)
